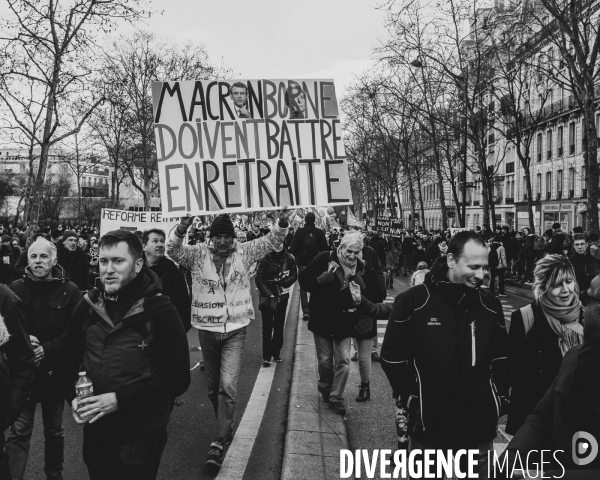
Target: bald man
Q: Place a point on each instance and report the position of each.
(48, 299)
(569, 414)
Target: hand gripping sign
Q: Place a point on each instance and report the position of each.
(240, 146)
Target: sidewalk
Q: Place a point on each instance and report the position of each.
(517, 288)
(315, 435)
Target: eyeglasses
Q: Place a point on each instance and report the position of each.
(586, 299)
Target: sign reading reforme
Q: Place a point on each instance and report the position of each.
(234, 146)
(111, 219)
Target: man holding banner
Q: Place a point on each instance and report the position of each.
(222, 308)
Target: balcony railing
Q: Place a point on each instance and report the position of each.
(510, 200)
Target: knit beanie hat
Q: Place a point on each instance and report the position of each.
(222, 224)
(69, 233)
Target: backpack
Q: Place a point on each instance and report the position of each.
(310, 247)
(527, 314)
(538, 243)
(493, 258)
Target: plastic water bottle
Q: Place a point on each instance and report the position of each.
(84, 389)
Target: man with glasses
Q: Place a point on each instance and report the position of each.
(585, 265)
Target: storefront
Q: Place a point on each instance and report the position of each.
(563, 213)
(523, 217)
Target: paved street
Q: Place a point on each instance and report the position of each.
(370, 424)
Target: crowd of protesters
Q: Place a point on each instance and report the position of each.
(118, 306)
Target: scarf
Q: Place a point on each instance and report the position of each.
(564, 321)
(348, 268)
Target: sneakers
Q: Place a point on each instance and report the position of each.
(266, 363)
(502, 295)
(375, 357)
(325, 397)
(215, 457)
(337, 407)
(364, 392)
(305, 317)
(354, 357)
(277, 359)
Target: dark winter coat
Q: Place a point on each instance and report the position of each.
(7, 264)
(556, 243)
(47, 306)
(75, 264)
(534, 360)
(445, 343)
(175, 287)
(17, 360)
(570, 405)
(369, 256)
(380, 246)
(332, 311)
(297, 249)
(269, 269)
(417, 256)
(586, 268)
(135, 347)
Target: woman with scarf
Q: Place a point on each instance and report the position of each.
(540, 334)
(276, 273)
(334, 319)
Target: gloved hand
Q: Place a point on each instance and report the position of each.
(273, 303)
(326, 277)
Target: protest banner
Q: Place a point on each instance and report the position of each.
(111, 219)
(454, 231)
(389, 226)
(241, 146)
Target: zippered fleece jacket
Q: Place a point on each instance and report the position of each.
(446, 344)
(225, 279)
(134, 346)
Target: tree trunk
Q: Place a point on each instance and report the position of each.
(421, 201)
(529, 199)
(590, 156)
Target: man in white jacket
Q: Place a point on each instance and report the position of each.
(222, 308)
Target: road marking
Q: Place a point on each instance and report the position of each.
(241, 447)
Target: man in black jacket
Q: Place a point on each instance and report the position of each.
(17, 366)
(308, 242)
(173, 281)
(47, 301)
(444, 354)
(585, 265)
(557, 241)
(73, 260)
(137, 378)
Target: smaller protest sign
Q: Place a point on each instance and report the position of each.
(112, 219)
(389, 226)
(454, 231)
(353, 221)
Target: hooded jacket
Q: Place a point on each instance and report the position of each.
(75, 264)
(135, 347)
(446, 344)
(297, 243)
(47, 306)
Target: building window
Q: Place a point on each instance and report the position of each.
(598, 125)
(510, 167)
(538, 184)
(559, 182)
(548, 184)
(549, 144)
(559, 139)
(583, 177)
(571, 182)
(539, 147)
(571, 138)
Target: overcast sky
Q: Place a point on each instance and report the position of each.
(278, 38)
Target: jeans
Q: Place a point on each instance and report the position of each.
(497, 273)
(364, 358)
(18, 442)
(375, 345)
(334, 366)
(529, 266)
(406, 264)
(482, 459)
(123, 459)
(222, 354)
(272, 329)
(304, 296)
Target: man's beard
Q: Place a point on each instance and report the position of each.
(115, 288)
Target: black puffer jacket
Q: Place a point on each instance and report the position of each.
(297, 249)
(47, 306)
(270, 267)
(135, 347)
(332, 312)
(444, 344)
